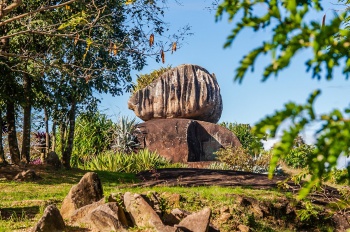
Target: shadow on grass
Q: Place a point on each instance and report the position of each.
(19, 213)
(73, 176)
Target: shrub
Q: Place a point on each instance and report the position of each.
(91, 136)
(145, 79)
(123, 138)
(298, 155)
(239, 159)
(248, 139)
(128, 163)
(339, 176)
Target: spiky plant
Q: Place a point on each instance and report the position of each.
(123, 138)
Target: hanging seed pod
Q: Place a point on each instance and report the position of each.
(151, 40)
(76, 39)
(115, 49)
(324, 20)
(162, 55)
(173, 48)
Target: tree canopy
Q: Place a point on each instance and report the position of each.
(291, 31)
(55, 55)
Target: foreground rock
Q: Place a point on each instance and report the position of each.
(142, 214)
(51, 221)
(105, 218)
(187, 91)
(197, 222)
(184, 140)
(87, 191)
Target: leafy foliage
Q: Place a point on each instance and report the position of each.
(91, 136)
(251, 142)
(128, 163)
(292, 31)
(238, 158)
(145, 79)
(123, 138)
(298, 156)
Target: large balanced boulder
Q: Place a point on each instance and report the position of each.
(184, 140)
(87, 191)
(187, 91)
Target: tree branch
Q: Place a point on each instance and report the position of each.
(11, 7)
(35, 11)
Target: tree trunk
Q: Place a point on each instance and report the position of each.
(53, 138)
(27, 108)
(12, 134)
(2, 153)
(47, 135)
(67, 153)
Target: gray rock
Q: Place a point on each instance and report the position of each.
(175, 216)
(81, 215)
(196, 222)
(87, 191)
(142, 214)
(105, 218)
(123, 217)
(51, 221)
(187, 91)
(53, 160)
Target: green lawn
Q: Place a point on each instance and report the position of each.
(22, 203)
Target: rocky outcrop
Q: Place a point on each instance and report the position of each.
(187, 91)
(87, 191)
(184, 140)
(51, 221)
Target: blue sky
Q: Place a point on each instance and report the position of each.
(252, 100)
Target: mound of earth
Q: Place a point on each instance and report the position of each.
(191, 177)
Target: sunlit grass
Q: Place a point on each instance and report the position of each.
(22, 203)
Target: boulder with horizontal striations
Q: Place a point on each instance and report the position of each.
(187, 91)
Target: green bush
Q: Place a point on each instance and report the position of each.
(128, 163)
(122, 135)
(239, 159)
(91, 136)
(299, 154)
(339, 176)
(145, 79)
(250, 142)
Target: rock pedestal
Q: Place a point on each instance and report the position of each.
(184, 140)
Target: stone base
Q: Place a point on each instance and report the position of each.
(184, 140)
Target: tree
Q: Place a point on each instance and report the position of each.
(69, 50)
(292, 31)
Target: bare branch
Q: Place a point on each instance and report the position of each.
(11, 7)
(35, 11)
